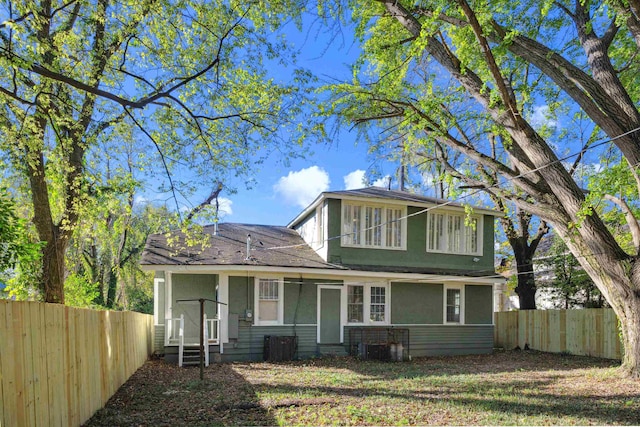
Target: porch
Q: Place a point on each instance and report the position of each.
(186, 345)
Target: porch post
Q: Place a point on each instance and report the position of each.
(167, 306)
(223, 309)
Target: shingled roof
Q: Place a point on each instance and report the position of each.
(272, 246)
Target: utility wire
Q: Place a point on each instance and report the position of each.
(456, 201)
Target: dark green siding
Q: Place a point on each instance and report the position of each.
(428, 340)
(300, 301)
(186, 289)
(435, 340)
(416, 254)
(250, 344)
(416, 303)
(478, 300)
(158, 338)
(240, 294)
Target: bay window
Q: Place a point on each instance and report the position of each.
(373, 226)
(454, 233)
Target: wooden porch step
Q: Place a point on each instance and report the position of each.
(191, 355)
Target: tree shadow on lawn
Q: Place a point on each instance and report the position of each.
(162, 394)
(473, 395)
(496, 362)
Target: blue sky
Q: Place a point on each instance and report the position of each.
(283, 191)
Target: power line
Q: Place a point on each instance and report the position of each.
(457, 200)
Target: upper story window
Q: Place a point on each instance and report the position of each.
(373, 226)
(454, 233)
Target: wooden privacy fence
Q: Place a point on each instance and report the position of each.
(58, 364)
(585, 332)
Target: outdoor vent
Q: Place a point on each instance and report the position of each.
(279, 348)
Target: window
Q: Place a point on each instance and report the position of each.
(453, 304)
(454, 233)
(355, 304)
(373, 226)
(378, 304)
(376, 308)
(269, 298)
(351, 225)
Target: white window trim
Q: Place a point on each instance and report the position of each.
(367, 303)
(321, 226)
(444, 304)
(479, 230)
(256, 301)
(157, 310)
(384, 207)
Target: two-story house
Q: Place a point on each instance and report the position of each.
(373, 272)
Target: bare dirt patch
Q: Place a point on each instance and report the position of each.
(518, 387)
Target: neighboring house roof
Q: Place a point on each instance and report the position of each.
(271, 245)
(389, 195)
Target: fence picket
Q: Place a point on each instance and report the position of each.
(58, 365)
(589, 332)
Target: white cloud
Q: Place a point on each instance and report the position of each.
(140, 200)
(354, 180)
(224, 205)
(302, 187)
(542, 117)
(382, 182)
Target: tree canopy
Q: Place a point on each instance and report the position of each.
(489, 81)
(182, 92)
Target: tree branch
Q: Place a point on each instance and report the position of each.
(632, 221)
(206, 202)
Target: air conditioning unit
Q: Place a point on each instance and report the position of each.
(374, 351)
(279, 348)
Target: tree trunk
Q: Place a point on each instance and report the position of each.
(53, 269)
(628, 311)
(111, 288)
(526, 289)
(618, 279)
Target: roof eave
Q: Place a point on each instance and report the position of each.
(420, 277)
(340, 196)
(307, 210)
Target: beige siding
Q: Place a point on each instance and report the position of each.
(586, 332)
(61, 364)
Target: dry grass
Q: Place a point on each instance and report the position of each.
(505, 388)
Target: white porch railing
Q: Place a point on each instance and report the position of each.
(172, 330)
(175, 335)
(174, 326)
